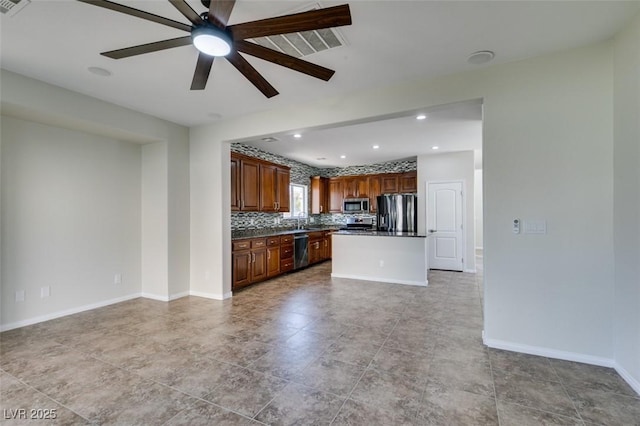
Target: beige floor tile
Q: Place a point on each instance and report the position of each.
(300, 349)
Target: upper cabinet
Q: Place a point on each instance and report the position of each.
(356, 186)
(408, 182)
(319, 195)
(336, 194)
(283, 177)
(336, 189)
(389, 183)
(258, 185)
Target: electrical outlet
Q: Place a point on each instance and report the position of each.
(20, 296)
(117, 278)
(45, 292)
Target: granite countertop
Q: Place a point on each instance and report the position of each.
(382, 234)
(272, 232)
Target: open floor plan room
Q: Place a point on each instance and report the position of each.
(299, 349)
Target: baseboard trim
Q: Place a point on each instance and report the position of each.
(635, 384)
(215, 296)
(382, 280)
(549, 353)
(178, 295)
(59, 314)
(155, 297)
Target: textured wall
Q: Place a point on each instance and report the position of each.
(300, 174)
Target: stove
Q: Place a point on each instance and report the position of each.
(363, 224)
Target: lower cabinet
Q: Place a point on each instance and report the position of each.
(249, 258)
(257, 259)
(286, 253)
(273, 256)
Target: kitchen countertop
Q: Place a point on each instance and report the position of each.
(272, 232)
(382, 234)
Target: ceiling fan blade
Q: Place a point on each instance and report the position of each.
(201, 75)
(219, 12)
(251, 74)
(305, 21)
(148, 48)
(187, 11)
(138, 13)
(284, 60)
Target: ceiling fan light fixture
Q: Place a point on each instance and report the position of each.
(211, 40)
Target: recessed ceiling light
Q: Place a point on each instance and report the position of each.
(99, 71)
(321, 158)
(343, 156)
(269, 139)
(376, 147)
(297, 136)
(421, 117)
(481, 57)
(435, 147)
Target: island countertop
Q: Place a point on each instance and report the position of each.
(272, 232)
(382, 234)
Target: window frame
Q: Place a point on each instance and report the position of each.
(305, 202)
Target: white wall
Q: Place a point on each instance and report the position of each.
(81, 128)
(70, 219)
(155, 274)
(626, 202)
(478, 209)
(547, 155)
(458, 166)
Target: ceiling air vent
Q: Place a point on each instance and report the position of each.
(303, 43)
(11, 7)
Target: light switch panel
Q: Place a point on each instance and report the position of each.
(516, 226)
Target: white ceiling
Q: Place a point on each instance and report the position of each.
(389, 42)
(455, 127)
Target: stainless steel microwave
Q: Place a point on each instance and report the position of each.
(355, 205)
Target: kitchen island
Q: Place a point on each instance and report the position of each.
(392, 257)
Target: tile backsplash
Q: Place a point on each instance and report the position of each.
(300, 174)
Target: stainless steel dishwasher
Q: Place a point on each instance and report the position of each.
(300, 252)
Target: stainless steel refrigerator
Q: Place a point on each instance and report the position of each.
(397, 213)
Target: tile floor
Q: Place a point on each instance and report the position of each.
(299, 349)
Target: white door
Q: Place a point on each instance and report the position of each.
(444, 225)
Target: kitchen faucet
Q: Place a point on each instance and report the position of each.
(299, 217)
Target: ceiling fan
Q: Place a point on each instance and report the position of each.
(212, 37)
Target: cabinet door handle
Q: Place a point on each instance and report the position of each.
(268, 254)
(242, 204)
(277, 205)
(253, 258)
(321, 209)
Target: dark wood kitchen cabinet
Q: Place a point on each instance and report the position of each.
(408, 182)
(388, 183)
(336, 195)
(316, 247)
(249, 185)
(249, 259)
(258, 185)
(374, 191)
(286, 253)
(319, 195)
(268, 187)
(235, 183)
(283, 178)
(273, 256)
(356, 187)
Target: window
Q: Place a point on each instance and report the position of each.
(299, 196)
